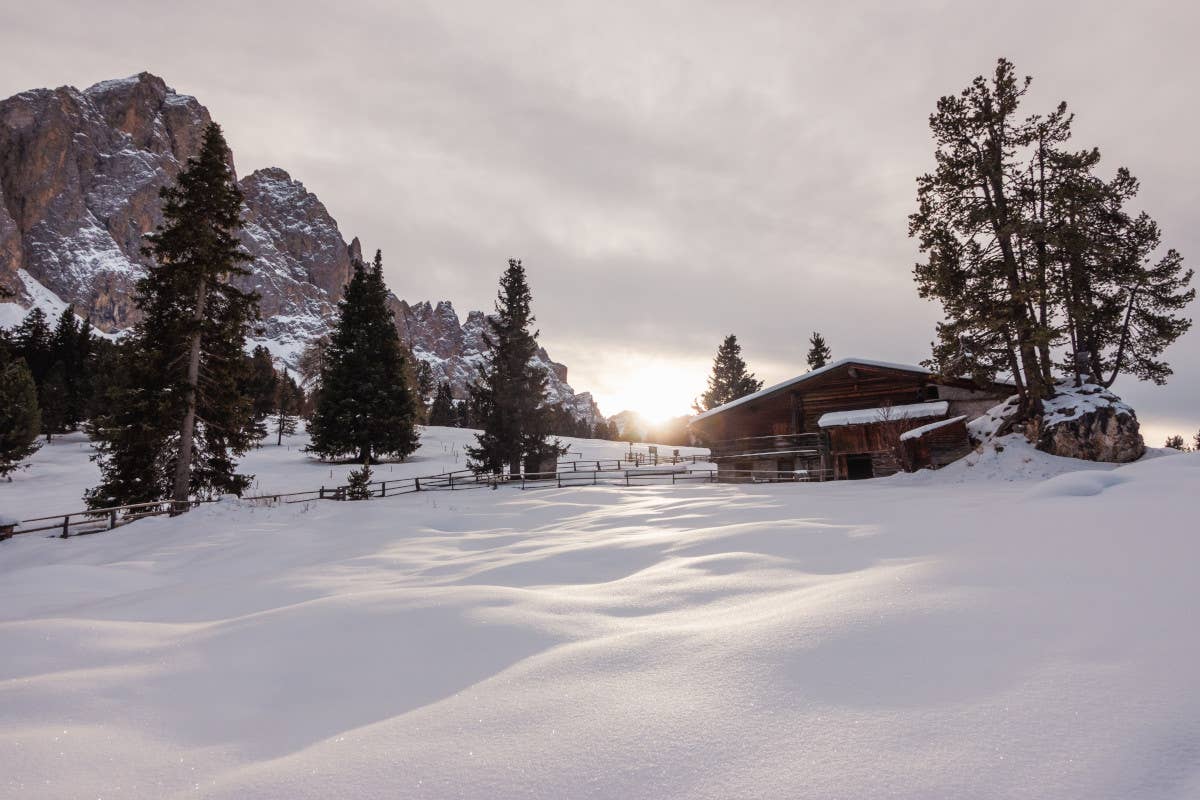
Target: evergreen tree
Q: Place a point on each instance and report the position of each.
(289, 399)
(818, 351)
(262, 383)
(52, 401)
(312, 364)
(1196, 442)
(358, 483)
(442, 410)
(104, 367)
(1028, 251)
(180, 418)
(729, 379)
(510, 397)
(425, 383)
(20, 420)
(365, 407)
(1175, 443)
(69, 378)
(32, 341)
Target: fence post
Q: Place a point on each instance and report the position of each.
(321, 496)
(383, 489)
(112, 519)
(66, 524)
(417, 483)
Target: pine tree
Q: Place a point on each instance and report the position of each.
(262, 383)
(510, 397)
(1196, 442)
(729, 379)
(365, 407)
(32, 341)
(358, 483)
(289, 398)
(1175, 442)
(425, 383)
(968, 223)
(442, 411)
(20, 420)
(70, 373)
(52, 401)
(818, 352)
(180, 418)
(1028, 251)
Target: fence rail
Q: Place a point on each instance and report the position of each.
(627, 472)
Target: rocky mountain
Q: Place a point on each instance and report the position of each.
(80, 173)
(455, 352)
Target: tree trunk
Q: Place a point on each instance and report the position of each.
(187, 428)
(993, 189)
(1123, 341)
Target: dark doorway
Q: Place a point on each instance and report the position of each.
(859, 467)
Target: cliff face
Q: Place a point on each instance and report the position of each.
(80, 173)
(456, 352)
(79, 180)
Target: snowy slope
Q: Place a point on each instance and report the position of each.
(988, 639)
(61, 471)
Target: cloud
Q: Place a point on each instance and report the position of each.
(669, 171)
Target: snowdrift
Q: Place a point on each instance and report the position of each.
(919, 637)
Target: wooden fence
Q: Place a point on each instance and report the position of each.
(569, 473)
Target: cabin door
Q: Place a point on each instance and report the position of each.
(859, 466)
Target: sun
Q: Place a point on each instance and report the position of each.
(657, 389)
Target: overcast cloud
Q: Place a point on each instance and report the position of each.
(669, 172)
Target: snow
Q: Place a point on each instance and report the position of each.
(917, 636)
(843, 362)
(866, 416)
(917, 433)
(61, 471)
(1072, 402)
(12, 314)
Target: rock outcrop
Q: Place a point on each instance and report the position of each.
(80, 173)
(1091, 423)
(456, 352)
(79, 178)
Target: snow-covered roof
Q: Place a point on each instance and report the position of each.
(917, 433)
(866, 416)
(844, 362)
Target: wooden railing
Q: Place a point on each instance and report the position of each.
(570, 473)
(768, 445)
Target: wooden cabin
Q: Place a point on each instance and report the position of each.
(842, 421)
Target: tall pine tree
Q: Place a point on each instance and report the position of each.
(261, 383)
(20, 419)
(442, 410)
(1036, 260)
(818, 351)
(510, 396)
(289, 399)
(181, 418)
(729, 379)
(365, 406)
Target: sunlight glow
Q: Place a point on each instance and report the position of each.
(657, 387)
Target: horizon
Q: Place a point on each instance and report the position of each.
(635, 163)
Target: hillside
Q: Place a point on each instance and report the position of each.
(886, 638)
(80, 172)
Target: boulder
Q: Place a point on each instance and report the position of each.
(1088, 422)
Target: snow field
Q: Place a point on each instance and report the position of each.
(939, 636)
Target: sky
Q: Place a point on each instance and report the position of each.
(669, 172)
